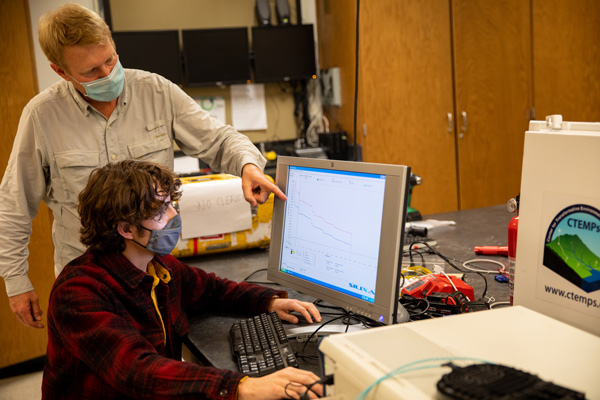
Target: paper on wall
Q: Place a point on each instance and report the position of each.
(214, 207)
(214, 105)
(248, 109)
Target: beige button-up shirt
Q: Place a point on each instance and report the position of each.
(61, 138)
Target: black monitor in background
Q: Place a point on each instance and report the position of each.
(216, 56)
(154, 51)
(283, 53)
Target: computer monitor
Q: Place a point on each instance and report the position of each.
(216, 56)
(283, 53)
(338, 237)
(154, 51)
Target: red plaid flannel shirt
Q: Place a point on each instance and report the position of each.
(107, 342)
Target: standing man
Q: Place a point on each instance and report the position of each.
(118, 313)
(99, 113)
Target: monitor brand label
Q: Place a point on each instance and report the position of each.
(361, 288)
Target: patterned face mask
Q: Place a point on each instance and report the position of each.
(163, 241)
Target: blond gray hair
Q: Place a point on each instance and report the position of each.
(68, 25)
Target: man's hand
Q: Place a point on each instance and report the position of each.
(288, 383)
(257, 187)
(26, 308)
(283, 307)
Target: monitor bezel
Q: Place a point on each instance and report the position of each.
(384, 309)
(242, 56)
(265, 52)
(170, 34)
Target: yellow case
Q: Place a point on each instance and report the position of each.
(259, 236)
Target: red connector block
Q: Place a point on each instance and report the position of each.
(438, 283)
(492, 250)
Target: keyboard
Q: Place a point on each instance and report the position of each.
(260, 345)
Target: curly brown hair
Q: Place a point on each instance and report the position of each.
(127, 191)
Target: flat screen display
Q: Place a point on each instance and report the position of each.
(338, 236)
(283, 53)
(321, 243)
(216, 56)
(153, 51)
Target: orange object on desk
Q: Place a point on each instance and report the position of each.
(492, 250)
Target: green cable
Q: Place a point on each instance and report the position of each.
(405, 368)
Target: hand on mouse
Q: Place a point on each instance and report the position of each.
(284, 307)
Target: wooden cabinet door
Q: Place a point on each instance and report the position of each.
(18, 85)
(566, 59)
(405, 93)
(492, 64)
(336, 27)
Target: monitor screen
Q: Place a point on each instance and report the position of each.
(283, 53)
(338, 237)
(154, 51)
(216, 56)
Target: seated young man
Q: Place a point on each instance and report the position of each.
(117, 314)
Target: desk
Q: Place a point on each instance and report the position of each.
(208, 339)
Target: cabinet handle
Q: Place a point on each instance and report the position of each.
(463, 128)
(450, 123)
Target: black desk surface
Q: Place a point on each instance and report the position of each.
(208, 339)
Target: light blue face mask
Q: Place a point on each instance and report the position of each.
(108, 88)
(163, 241)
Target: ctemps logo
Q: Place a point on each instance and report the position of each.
(572, 246)
(361, 288)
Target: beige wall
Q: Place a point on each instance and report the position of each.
(198, 14)
(45, 75)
